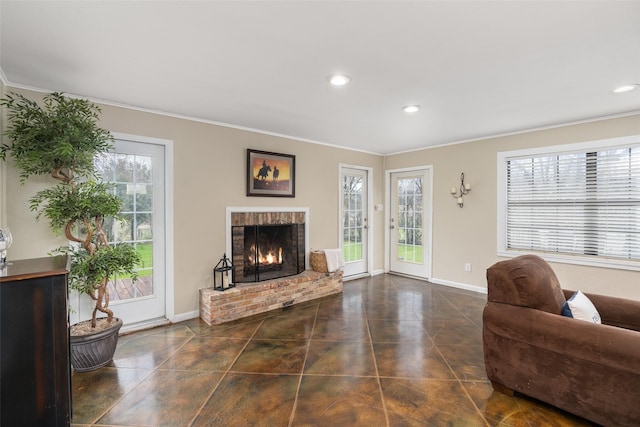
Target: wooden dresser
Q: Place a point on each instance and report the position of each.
(35, 380)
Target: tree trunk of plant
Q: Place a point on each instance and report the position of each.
(102, 303)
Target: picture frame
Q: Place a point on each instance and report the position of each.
(270, 174)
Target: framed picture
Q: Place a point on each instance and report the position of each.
(270, 174)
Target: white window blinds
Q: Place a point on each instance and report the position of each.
(583, 203)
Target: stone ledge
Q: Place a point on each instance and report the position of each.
(254, 298)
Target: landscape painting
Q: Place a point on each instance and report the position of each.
(270, 174)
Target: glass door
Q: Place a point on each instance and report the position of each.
(137, 169)
(409, 223)
(354, 227)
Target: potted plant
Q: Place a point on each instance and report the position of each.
(62, 139)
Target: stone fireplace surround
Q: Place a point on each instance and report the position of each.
(247, 299)
(267, 215)
(279, 234)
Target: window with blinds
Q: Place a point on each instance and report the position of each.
(583, 203)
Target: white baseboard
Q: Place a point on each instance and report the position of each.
(360, 276)
(148, 324)
(354, 277)
(185, 316)
(141, 326)
(473, 288)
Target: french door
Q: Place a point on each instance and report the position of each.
(410, 222)
(137, 170)
(355, 224)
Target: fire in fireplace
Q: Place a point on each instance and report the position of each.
(264, 252)
(270, 259)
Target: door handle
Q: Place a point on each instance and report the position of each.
(392, 227)
(366, 227)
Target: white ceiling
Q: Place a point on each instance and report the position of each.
(478, 68)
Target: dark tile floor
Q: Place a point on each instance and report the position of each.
(389, 351)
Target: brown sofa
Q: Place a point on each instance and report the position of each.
(591, 370)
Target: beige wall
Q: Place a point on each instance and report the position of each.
(209, 175)
(468, 235)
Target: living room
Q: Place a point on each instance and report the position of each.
(205, 161)
(208, 171)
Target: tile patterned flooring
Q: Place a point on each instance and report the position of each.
(389, 351)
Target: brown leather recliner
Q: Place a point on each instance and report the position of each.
(591, 370)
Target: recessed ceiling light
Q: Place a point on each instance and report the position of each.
(410, 108)
(625, 88)
(339, 79)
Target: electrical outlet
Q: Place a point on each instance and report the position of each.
(467, 267)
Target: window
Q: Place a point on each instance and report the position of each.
(577, 203)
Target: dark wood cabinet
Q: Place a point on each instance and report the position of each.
(35, 380)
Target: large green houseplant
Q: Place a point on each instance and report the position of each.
(62, 139)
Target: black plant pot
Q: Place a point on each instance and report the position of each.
(92, 351)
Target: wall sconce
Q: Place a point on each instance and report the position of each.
(462, 191)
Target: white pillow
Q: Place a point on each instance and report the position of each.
(580, 307)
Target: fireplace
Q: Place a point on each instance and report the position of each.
(261, 296)
(267, 243)
(267, 251)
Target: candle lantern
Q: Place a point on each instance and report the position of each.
(223, 274)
